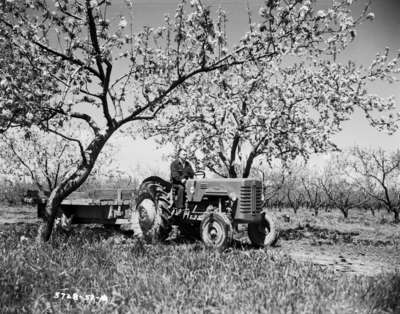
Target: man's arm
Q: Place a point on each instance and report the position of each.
(175, 173)
(189, 170)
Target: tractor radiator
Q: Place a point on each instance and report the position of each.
(250, 199)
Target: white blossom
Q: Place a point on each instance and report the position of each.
(3, 82)
(122, 22)
(370, 16)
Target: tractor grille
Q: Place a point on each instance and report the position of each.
(203, 186)
(250, 199)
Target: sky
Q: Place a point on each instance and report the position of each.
(372, 37)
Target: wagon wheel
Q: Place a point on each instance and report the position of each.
(216, 231)
(152, 222)
(263, 233)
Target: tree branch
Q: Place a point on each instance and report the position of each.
(82, 150)
(88, 119)
(23, 163)
(93, 37)
(67, 58)
(105, 78)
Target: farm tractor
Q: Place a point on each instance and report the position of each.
(213, 211)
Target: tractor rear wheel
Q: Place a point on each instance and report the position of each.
(263, 233)
(151, 217)
(216, 231)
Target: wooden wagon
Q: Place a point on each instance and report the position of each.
(107, 206)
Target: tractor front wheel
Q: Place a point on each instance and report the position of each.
(263, 233)
(216, 231)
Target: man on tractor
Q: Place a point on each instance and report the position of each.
(181, 170)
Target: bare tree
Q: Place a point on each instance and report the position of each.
(340, 194)
(294, 192)
(313, 194)
(295, 199)
(378, 176)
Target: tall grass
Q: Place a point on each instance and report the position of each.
(174, 278)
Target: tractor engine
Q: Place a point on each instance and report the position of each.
(240, 197)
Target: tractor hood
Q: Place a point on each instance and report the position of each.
(196, 189)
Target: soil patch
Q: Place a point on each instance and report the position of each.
(357, 246)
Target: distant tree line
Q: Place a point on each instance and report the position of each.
(356, 178)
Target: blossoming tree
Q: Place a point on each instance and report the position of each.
(65, 54)
(46, 158)
(287, 105)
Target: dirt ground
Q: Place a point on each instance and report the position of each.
(362, 244)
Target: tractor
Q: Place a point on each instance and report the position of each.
(214, 210)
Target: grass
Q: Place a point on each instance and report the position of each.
(174, 278)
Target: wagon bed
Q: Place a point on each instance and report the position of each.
(104, 206)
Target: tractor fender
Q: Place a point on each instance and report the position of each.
(151, 183)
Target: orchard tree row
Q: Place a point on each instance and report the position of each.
(279, 92)
(356, 178)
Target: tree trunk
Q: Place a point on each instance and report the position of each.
(345, 212)
(52, 204)
(249, 163)
(372, 211)
(232, 172)
(396, 216)
(70, 184)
